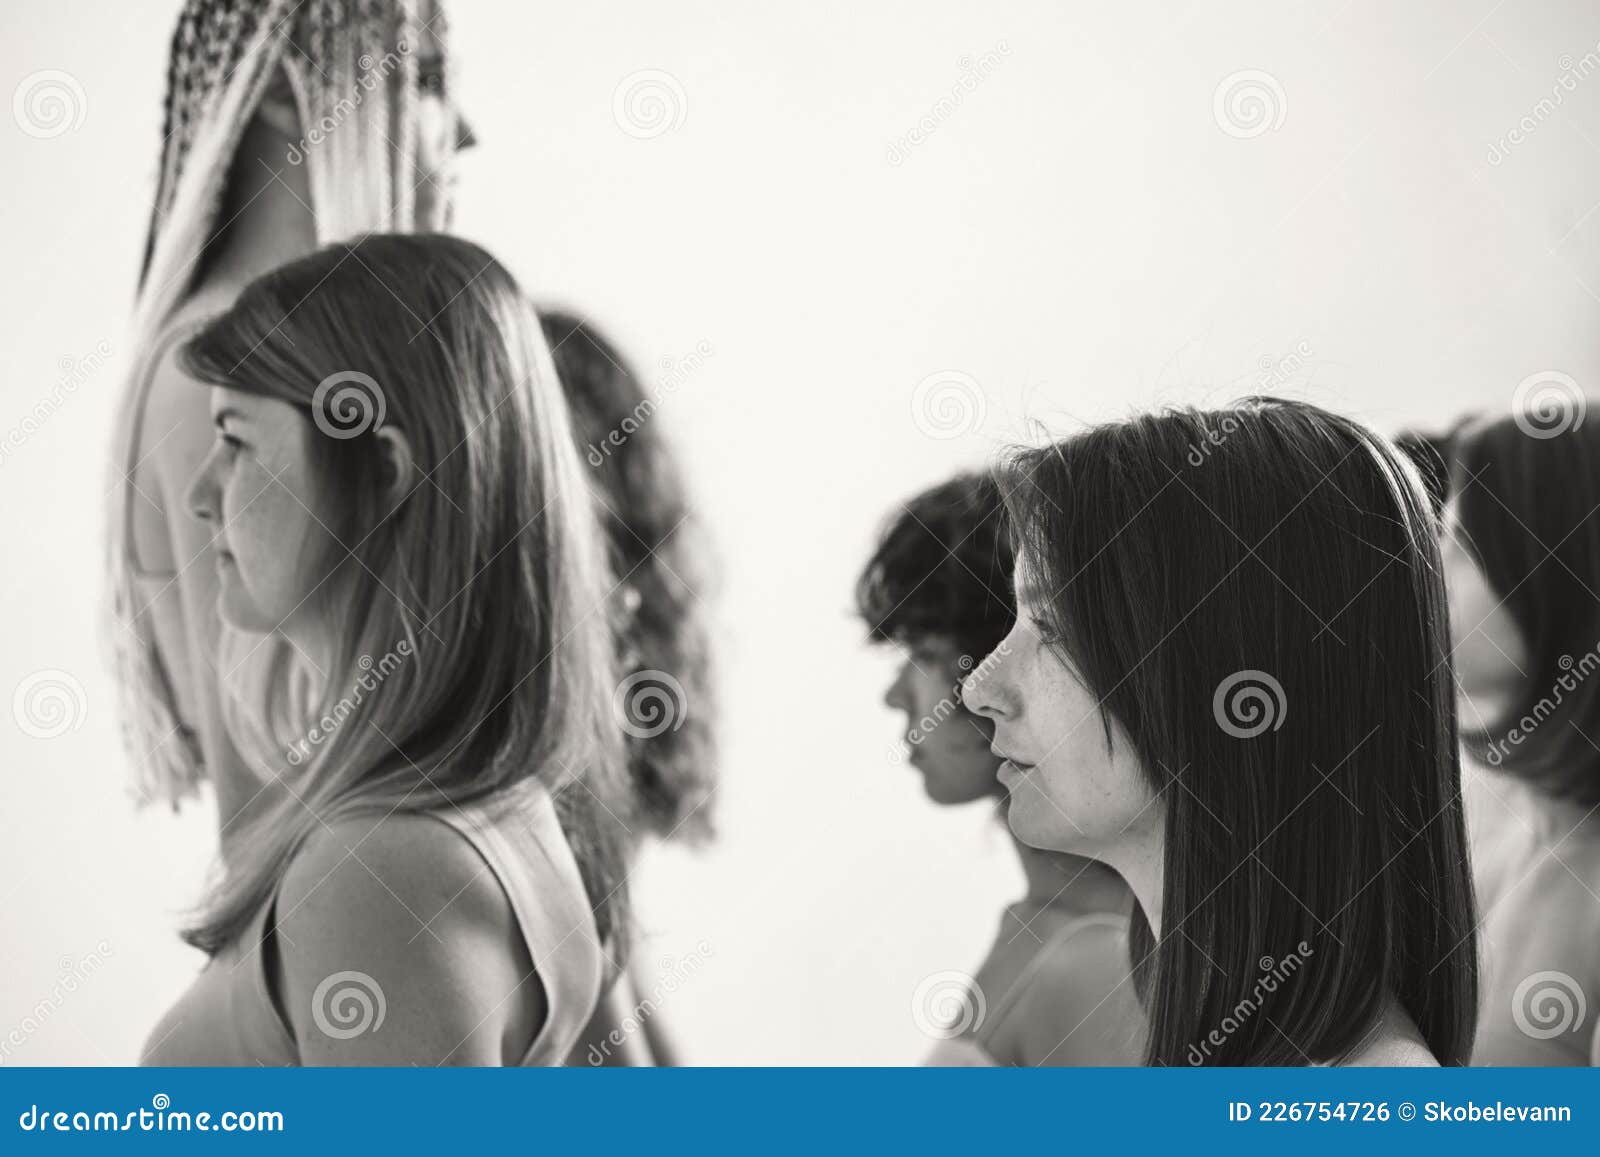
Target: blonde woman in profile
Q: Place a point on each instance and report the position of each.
(244, 185)
(411, 898)
(1055, 987)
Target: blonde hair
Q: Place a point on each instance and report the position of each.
(224, 54)
(488, 578)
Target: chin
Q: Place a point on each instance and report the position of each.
(1033, 828)
(242, 615)
(944, 791)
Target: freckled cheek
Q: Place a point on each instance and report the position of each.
(268, 534)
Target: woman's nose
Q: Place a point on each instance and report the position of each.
(895, 697)
(201, 498)
(986, 692)
(977, 692)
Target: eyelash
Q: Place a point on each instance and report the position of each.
(229, 441)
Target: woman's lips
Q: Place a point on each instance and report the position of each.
(1013, 769)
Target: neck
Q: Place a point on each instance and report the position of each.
(1141, 867)
(315, 648)
(1061, 878)
(266, 217)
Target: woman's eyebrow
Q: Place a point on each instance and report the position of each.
(224, 415)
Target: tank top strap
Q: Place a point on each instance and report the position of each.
(1052, 944)
(518, 834)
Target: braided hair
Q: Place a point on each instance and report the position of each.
(329, 50)
(347, 63)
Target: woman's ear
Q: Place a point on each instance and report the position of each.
(399, 468)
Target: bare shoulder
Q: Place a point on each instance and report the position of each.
(405, 907)
(404, 863)
(1393, 1051)
(1081, 1007)
(1394, 1042)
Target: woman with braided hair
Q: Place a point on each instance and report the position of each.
(289, 124)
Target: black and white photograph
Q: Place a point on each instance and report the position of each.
(1030, 534)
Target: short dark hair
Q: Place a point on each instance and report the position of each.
(942, 566)
(1267, 621)
(1526, 503)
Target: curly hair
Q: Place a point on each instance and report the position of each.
(663, 569)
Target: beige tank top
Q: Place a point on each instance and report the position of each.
(228, 1017)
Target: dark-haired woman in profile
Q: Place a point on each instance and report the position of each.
(1522, 562)
(1054, 988)
(662, 566)
(1234, 678)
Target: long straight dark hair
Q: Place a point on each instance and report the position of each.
(1526, 499)
(1254, 594)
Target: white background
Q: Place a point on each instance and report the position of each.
(1081, 237)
